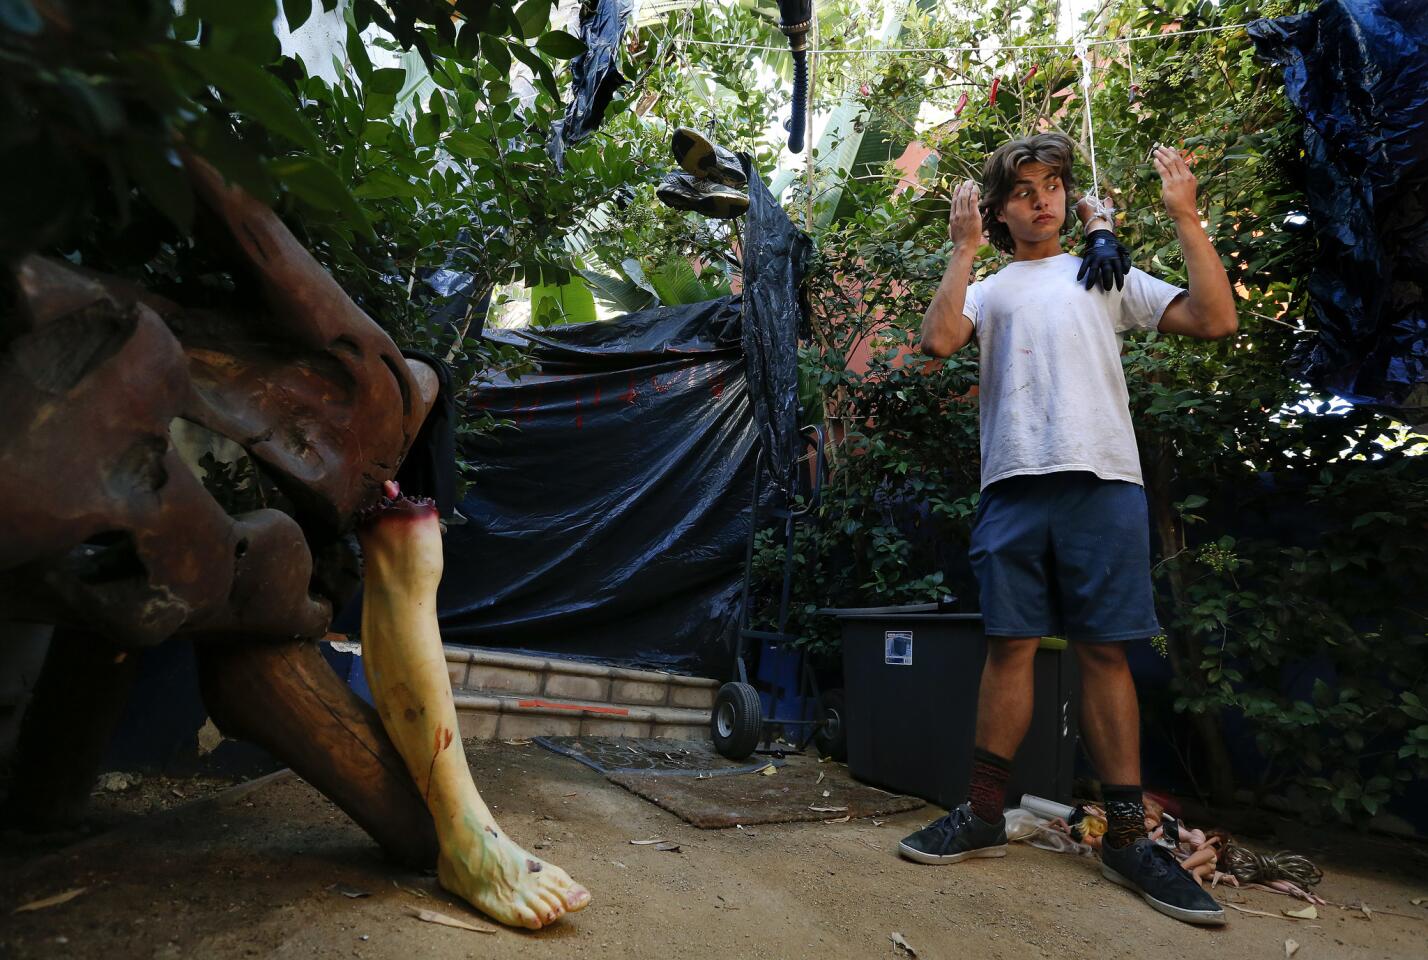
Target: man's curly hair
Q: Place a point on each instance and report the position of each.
(999, 176)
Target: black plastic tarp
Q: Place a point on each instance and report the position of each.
(1358, 71)
(594, 75)
(610, 522)
(429, 468)
(775, 259)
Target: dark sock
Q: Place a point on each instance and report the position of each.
(989, 784)
(1125, 813)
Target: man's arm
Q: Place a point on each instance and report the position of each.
(945, 328)
(1208, 311)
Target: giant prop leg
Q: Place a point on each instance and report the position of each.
(406, 669)
(283, 696)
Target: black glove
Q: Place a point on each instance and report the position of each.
(1104, 260)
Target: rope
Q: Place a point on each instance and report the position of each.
(878, 51)
(1250, 867)
(1083, 54)
(812, 108)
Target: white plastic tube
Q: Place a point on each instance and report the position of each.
(1048, 809)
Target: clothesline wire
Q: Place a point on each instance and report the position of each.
(878, 51)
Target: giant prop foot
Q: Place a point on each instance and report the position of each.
(406, 669)
(482, 865)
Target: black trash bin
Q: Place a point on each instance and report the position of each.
(910, 678)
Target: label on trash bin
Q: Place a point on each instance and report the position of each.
(897, 648)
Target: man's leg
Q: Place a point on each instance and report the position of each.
(1102, 544)
(1110, 724)
(1009, 554)
(1004, 706)
(976, 828)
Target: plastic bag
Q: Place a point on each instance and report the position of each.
(594, 75)
(1026, 827)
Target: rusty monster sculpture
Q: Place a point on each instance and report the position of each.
(118, 406)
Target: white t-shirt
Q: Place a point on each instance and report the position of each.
(1053, 395)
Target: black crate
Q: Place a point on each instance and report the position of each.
(910, 683)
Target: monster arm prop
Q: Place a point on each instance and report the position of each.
(1104, 259)
(406, 669)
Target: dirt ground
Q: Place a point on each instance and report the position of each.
(266, 872)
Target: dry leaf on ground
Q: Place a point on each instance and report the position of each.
(818, 809)
(646, 843)
(431, 916)
(821, 775)
(1291, 947)
(667, 847)
(350, 892)
(843, 819)
(901, 945)
(53, 901)
(1308, 913)
(769, 770)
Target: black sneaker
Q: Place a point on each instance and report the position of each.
(683, 192)
(703, 158)
(958, 836)
(1153, 872)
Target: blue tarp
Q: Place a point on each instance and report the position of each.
(1358, 71)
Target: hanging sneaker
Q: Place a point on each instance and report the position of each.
(960, 835)
(684, 192)
(1153, 872)
(704, 158)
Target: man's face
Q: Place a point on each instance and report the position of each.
(1036, 208)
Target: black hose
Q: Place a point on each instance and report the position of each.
(796, 120)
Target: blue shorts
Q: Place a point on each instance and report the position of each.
(1064, 555)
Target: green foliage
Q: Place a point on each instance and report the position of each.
(386, 174)
(902, 485)
(641, 252)
(1340, 597)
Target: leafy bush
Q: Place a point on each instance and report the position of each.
(386, 174)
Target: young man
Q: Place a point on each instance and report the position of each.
(1061, 544)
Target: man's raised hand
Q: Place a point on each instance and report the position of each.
(1177, 183)
(964, 225)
